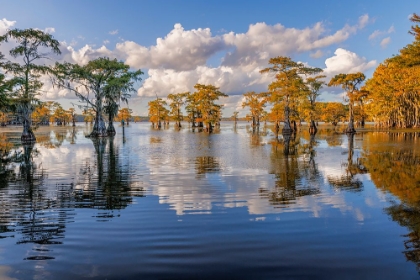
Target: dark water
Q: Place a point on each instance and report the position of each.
(170, 204)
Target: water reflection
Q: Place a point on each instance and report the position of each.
(29, 205)
(349, 181)
(206, 164)
(106, 183)
(294, 176)
(396, 169)
(237, 178)
(38, 209)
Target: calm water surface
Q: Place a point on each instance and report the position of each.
(170, 204)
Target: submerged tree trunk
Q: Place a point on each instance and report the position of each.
(312, 128)
(209, 128)
(287, 129)
(277, 129)
(99, 128)
(350, 127)
(286, 141)
(111, 129)
(28, 135)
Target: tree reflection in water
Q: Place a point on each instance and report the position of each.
(396, 169)
(38, 209)
(31, 208)
(107, 184)
(206, 164)
(349, 181)
(295, 177)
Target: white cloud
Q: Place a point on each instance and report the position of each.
(113, 32)
(85, 54)
(363, 21)
(180, 50)
(345, 62)
(375, 34)
(230, 80)
(385, 42)
(49, 30)
(106, 42)
(5, 25)
(263, 41)
(378, 33)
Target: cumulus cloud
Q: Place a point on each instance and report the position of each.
(113, 32)
(84, 54)
(161, 82)
(263, 41)
(180, 50)
(345, 62)
(185, 50)
(5, 25)
(385, 42)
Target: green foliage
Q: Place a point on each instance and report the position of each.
(32, 46)
(100, 85)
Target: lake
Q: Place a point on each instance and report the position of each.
(178, 204)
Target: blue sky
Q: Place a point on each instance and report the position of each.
(224, 43)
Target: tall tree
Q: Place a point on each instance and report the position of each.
(314, 86)
(177, 100)
(350, 83)
(157, 112)
(97, 83)
(32, 46)
(256, 103)
(206, 97)
(193, 113)
(72, 113)
(410, 55)
(288, 85)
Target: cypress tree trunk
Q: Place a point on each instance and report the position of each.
(286, 139)
(111, 129)
(28, 135)
(99, 128)
(350, 127)
(312, 128)
(287, 129)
